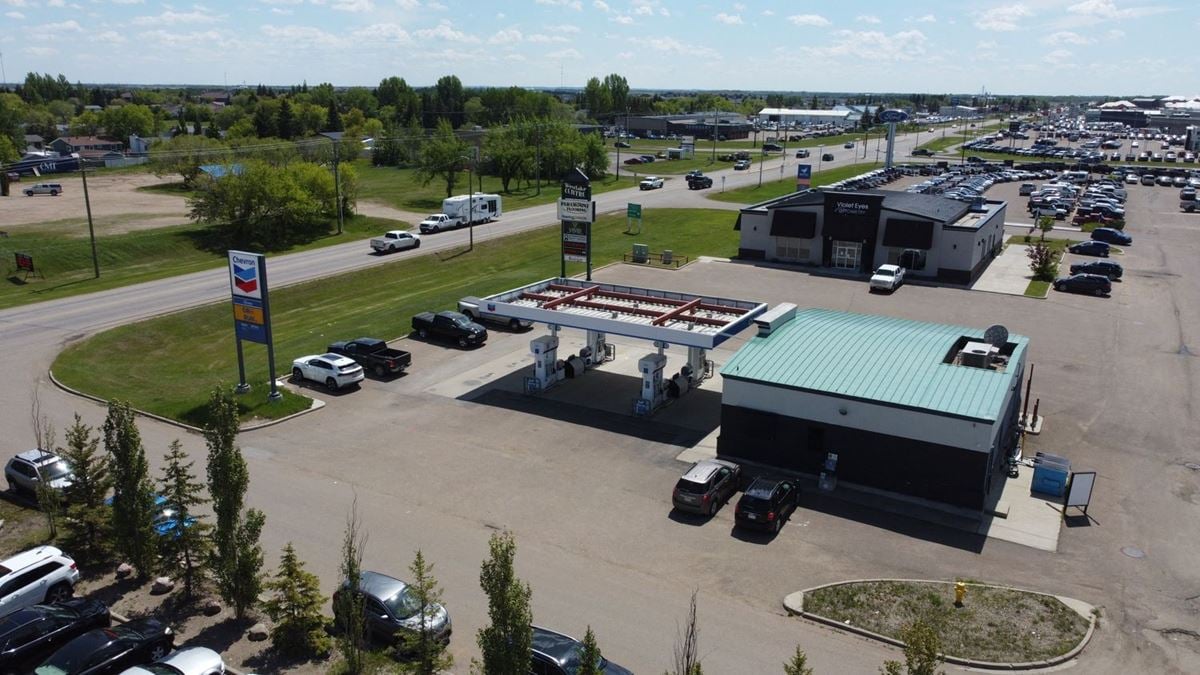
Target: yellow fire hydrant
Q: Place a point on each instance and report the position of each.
(960, 592)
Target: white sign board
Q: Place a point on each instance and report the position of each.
(575, 210)
(571, 257)
(1081, 489)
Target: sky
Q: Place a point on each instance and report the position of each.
(1084, 47)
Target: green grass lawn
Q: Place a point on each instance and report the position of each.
(753, 194)
(401, 189)
(167, 365)
(940, 144)
(62, 255)
(1037, 289)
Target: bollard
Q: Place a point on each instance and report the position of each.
(960, 592)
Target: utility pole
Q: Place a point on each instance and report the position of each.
(537, 160)
(87, 202)
(337, 185)
(470, 207)
(714, 152)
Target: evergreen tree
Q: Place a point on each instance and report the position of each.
(798, 665)
(295, 607)
(429, 655)
(349, 605)
(133, 496)
(264, 122)
(589, 655)
(505, 642)
(335, 117)
(186, 547)
(88, 516)
(285, 120)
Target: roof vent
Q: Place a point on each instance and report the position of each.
(775, 317)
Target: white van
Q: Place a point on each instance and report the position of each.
(1075, 176)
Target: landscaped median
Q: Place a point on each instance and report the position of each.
(753, 194)
(1039, 288)
(995, 627)
(168, 365)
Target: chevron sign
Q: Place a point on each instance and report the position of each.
(244, 275)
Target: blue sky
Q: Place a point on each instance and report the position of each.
(1030, 46)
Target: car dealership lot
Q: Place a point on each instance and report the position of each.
(587, 490)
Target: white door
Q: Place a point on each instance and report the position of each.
(846, 254)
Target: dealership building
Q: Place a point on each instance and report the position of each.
(841, 118)
(856, 231)
(921, 409)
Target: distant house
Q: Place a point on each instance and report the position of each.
(93, 108)
(139, 145)
(219, 97)
(34, 142)
(70, 144)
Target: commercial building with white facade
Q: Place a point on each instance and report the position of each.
(932, 237)
(842, 118)
(921, 409)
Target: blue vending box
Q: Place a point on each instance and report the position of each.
(1050, 474)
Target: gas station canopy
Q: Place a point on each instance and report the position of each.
(645, 313)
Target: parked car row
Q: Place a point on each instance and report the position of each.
(46, 631)
(766, 503)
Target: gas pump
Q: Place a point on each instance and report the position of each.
(596, 351)
(697, 368)
(545, 361)
(651, 367)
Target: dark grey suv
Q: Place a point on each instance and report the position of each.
(392, 611)
(706, 485)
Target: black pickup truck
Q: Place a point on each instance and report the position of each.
(373, 355)
(449, 326)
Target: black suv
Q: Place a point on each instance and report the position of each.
(29, 635)
(1104, 268)
(772, 147)
(699, 182)
(767, 503)
(557, 654)
(1084, 283)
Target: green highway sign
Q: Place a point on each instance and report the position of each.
(633, 211)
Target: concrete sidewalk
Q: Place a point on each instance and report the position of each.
(1008, 273)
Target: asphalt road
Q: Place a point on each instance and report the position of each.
(589, 501)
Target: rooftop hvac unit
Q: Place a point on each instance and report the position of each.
(775, 317)
(977, 354)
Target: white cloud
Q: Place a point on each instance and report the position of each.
(872, 45)
(39, 51)
(281, 11)
(170, 18)
(867, 18)
(576, 5)
(624, 19)
(16, 3)
(600, 5)
(1115, 34)
(672, 46)
(109, 36)
(505, 36)
(515, 57)
(209, 39)
(56, 3)
(1002, 18)
(542, 38)
(987, 44)
(71, 26)
(383, 32)
(644, 10)
(926, 18)
(808, 20)
(625, 56)
(352, 6)
(1107, 9)
(768, 12)
(265, 2)
(408, 4)
(563, 28)
(1067, 37)
(1060, 57)
(301, 36)
(445, 31)
(663, 11)
(739, 6)
(571, 53)
(729, 19)
(15, 15)
(436, 6)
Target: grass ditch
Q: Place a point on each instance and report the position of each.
(63, 258)
(167, 365)
(998, 625)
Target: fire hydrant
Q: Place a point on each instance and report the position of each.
(960, 592)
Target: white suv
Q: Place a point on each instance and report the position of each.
(42, 575)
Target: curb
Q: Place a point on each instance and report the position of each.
(316, 405)
(793, 603)
(121, 618)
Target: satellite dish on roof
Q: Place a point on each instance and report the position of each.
(996, 336)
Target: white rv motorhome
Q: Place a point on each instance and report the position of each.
(483, 208)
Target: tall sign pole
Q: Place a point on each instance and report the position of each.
(891, 118)
(251, 312)
(577, 212)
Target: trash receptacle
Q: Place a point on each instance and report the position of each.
(641, 253)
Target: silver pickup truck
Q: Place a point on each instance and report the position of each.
(476, 310)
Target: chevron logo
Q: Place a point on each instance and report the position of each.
(245, 278)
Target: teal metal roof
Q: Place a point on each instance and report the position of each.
(876, 358)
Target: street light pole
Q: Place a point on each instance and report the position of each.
(87, 202)
(470, 206)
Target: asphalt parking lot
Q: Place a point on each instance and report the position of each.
(587, 489)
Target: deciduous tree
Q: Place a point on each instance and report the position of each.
(351, 640)
(1043, 262)
(441, 157)
(133, 494)
(505, 642)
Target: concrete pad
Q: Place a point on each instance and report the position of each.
(1008, 273)
(1031, 521)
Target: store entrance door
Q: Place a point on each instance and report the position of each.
(846, 254)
